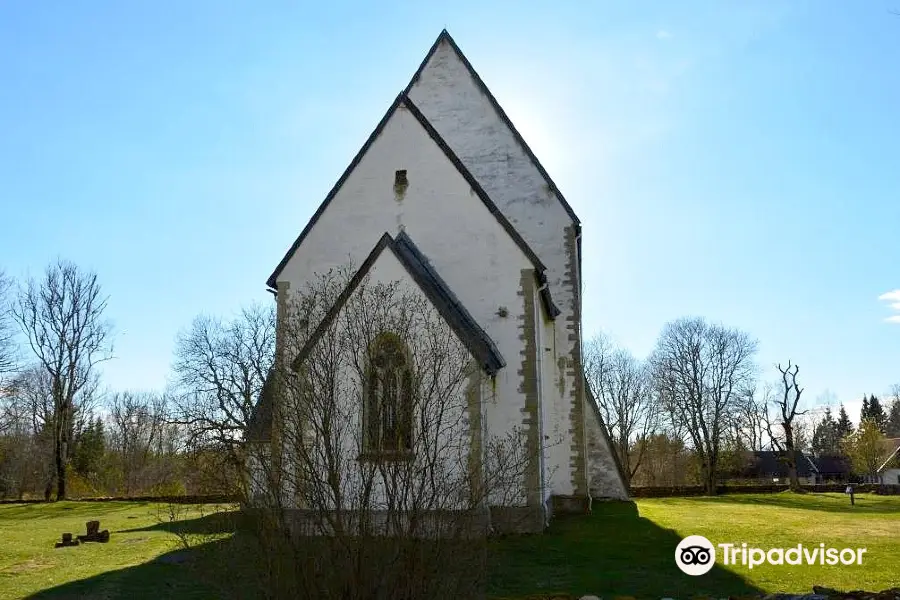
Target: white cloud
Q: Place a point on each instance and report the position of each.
(662, 34)
(894, 298)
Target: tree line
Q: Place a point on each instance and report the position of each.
(63, 434)
(689, 413)
(696, 410)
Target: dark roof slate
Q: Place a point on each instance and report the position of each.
(833, 465)
(772, 463)
(476, 340)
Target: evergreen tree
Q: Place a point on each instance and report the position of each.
(893, 421)
(825, 441)
(877, 414)
(844, 426)
(90, 446)
(864, 411)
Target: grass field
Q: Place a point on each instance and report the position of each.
(617, 551)
(622, 549)
(140, 560)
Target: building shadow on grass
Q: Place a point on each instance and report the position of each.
(218, 522)
(218, 569)
(837, 503)
(612, 552)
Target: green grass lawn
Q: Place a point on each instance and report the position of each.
(141, 559)
(622, 549)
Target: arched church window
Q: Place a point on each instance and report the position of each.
(387, 416)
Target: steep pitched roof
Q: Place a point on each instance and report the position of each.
(445, 37)
(592, 401)
(259, 426)
(772, 462)
(832, 465)
(893, 446)
(476, 340)
(403, 100)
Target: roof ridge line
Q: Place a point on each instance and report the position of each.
(404, 100)
(491, 360)
(470, 179)
(479, 82)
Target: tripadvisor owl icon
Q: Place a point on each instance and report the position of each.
(695, 555)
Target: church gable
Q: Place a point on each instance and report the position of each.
(453, 97)
(398, 259)
(446, 85)
(407, 178)
(390, 378)
(493, 237)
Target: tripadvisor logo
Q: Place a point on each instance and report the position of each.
(696, 555)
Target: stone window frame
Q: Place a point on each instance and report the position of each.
(395, 370)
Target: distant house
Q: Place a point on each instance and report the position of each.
(832, 469)
(771, 467)
(889, 471)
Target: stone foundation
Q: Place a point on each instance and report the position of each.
(517, 519)
(571, 505)
(449, 524)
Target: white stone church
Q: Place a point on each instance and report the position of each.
(446, 196)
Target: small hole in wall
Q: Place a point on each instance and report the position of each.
(502, 312)
(400, 178)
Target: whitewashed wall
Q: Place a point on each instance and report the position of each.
(551, 437)
(447, 221)
(452, 102)
(452, 433)
(891, 476)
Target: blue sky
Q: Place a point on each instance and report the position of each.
(734, 160)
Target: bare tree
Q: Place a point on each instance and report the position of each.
(699, 372)
(378, 460)
(786, 404)
(27, 458)
(750, 417)
(221, 368)
(7, 329)
(29, 465)
(141, 438)
(61, 316)
(804, 429)
(667, 462)
(622, 387)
